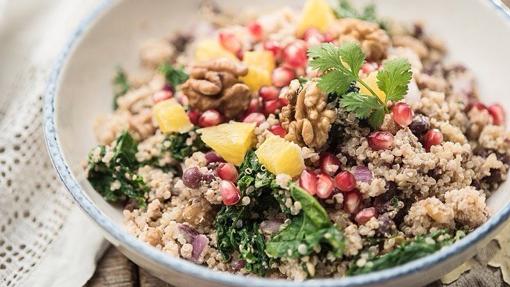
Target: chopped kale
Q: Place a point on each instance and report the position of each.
(306, 231)
(120, 86)
(419, 247)
(367, 13)
(239, 232)
(178, 146)
(173, 76)
(116, 179)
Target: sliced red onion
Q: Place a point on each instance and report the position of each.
(199, 243)
(362, 174)
(237, 264)
(188, 232)
(270, 226)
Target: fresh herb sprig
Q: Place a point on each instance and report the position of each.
(340, 68)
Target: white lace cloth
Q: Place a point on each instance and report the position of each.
(42, 242)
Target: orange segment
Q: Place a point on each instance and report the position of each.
(171, 117)
(281, 156)
(316, 14)
(211, 49)
(231, 141)
(260, 66)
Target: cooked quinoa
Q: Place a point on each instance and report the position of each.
(239, 151)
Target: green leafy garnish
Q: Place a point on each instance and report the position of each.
(236, 229)
(367, 13)
(116, 179)
(417, 248)
(173, 76)
(340, 68)
(120, 86)
(307, 231)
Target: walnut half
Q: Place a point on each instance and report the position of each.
(216, 85)
(307, 117)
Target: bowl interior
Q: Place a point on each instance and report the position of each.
(473, 30)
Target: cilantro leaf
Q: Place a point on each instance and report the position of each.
(376, 119)
(353, 56)
(367, 13)
(325, 57)
(172, 75)
(362, 105)
(394, 78)
(335, 82)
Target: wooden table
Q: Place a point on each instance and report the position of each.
(115, 270)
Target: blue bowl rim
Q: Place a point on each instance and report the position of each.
(180, 265)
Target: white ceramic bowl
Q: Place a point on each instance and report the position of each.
(476, 31)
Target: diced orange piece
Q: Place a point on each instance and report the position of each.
(171, 117)
(371, 81)
(231, 140)
(316, 14)
(211, 49)
(281, 156)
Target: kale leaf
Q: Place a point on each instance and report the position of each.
(120, 86)
(173, 76)
(116, 179)
(306, 231)
(367, 13)
(419, 247)
(237, 229)
(178, 146)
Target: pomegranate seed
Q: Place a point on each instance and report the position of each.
(257, 118)
(345, 181)
(256, 31)
(325, 186)
(380, 140)
(240, 54)
(369, 67)
(352, 201)
(402, 114)
(294, 54)
(329, 164)
(282, 76)
(254, 106)
(230, 42)
(284, 101)
(270, 107)
(227, 171)
(211, 157)
(479, 106)
(191, 177)
(278, 130)
(268, 93)
(365, 215)
(229, 193)
(312, 36)
(308, 181)
(162, 95)
(209, 118)
(274, 47)
(432, 137)
(193, 116)
(497, 113)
